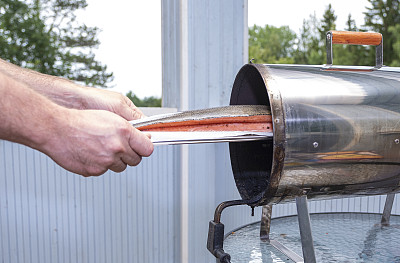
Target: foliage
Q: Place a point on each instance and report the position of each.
(273, 45)
(270, 44)
(309, 49)
(44, 35)
(146, 102)
(328, 21)
(380, 16)
(395, 31)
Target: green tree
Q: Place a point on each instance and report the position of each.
(146, 102)
(44, 35)
(308, 44)
(271, 44)
(268, 44)
(395, 31)
(328, 22)
(379, 17)
(311, 46)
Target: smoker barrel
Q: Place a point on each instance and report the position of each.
(335, 133)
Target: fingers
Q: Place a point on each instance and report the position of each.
(132, 159)
(141, 143)
(138, 145)
(118, 166)
(111, 143)
(112, 101)
(132, 112)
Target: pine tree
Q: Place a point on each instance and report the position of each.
(44, 35)
(379, 17)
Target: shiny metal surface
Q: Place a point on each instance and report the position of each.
(335, 133)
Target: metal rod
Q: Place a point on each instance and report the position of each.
(289, 253)
(387, 210)
(223, 205)
(265, 226)
(305, 230)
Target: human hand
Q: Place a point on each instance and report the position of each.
(90, 142)
(100, 99)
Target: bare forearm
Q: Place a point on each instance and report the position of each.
(26, 116)
(71, 95)
(59, 90)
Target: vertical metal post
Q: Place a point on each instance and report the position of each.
(265, 222)
(305, 229)
(329, 56)
(387, 210)
(379, 55)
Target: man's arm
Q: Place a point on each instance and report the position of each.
(71, 95)
(87, 142)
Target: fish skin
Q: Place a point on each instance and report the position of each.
(210, 113)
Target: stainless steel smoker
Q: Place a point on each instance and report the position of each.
(336, 132)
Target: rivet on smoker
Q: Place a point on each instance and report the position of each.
(396, 141)
(277, 120)
(315, 144)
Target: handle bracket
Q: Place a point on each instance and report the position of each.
(353, 38)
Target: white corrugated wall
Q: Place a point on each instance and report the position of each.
(50, 215)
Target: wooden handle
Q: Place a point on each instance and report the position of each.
(356, 38)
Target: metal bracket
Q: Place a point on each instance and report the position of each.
(329, 54)
(379, 55)
(289, 253)
(264, 235)
(305, 229)
(305, 232)
(387, 210)
(215, 240)
(265, 226)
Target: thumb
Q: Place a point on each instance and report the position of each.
(140, 142)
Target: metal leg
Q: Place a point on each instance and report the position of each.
(265, 222)
(264, 235)
(387, 210)
(305, 230)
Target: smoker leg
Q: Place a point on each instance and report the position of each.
(387, 210)
(264, 235)
(265, 222)
(305, 230)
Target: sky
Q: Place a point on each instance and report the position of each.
(131, 33)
